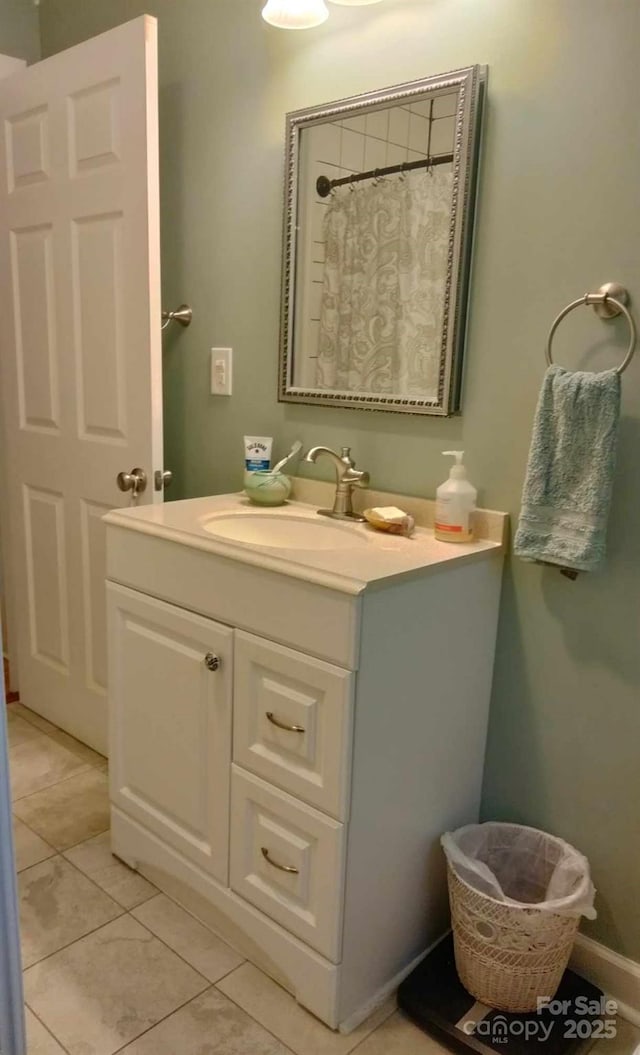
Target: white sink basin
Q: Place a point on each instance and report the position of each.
(284, 532)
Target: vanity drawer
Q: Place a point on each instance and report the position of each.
(293, 717)
(288, 860)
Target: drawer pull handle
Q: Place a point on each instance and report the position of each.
(274, 864)
(212, 662)
(281, 725)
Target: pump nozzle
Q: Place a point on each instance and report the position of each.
(458, 471)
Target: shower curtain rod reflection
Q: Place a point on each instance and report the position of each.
(324, 185)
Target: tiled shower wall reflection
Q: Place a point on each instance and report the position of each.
(389, 136)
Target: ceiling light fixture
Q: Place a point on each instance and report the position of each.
(295, 14)
(354, 3)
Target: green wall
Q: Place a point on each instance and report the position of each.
(559, 214)
(19, 30)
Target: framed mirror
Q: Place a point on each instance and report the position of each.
(378, 227)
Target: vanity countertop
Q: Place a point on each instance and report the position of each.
(375, 559)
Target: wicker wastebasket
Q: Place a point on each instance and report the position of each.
(508, 955)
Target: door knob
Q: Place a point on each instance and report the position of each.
(163, 478)
(135, 481)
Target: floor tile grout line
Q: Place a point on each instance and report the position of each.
(197, 919)
(62, 948)
(128, 912)
(44, 861)
(43, 732)
(47, 787)
(394, 1011)
(207, 983)
(29, 739)
(227, 973)
(245, 961)
(74, 846)
(254, 1019)
(28, 718)
(66, 848)
(218, 937)
(65, 747)
(164, 1018)
(52, 848)
(45, 1027)
(64, 780)
(124, 908)
(170, 947)
(39, 735)
(351, 1051)
(207, 986)
(34, 725)
(161, 893)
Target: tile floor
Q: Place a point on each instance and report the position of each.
(113, 965)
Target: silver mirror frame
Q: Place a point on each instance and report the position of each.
(470, 83)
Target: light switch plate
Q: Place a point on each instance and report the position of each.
(221, 371)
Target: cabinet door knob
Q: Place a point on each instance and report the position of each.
(282, 725)
(212, 662)
(274, 864)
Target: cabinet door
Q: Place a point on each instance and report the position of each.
(170, 676)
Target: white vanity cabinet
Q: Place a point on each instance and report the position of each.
(288, 741)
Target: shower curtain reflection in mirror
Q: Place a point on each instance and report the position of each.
(384, 285)
(378, 223)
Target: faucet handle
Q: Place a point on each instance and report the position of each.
(345, 455)
(356, 477)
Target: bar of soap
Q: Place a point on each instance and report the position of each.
(390, 514)
(390, 518)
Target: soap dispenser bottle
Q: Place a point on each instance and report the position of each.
(455, 502)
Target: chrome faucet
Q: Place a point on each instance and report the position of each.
(347, 477)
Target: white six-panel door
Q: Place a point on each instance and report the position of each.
(80, 347)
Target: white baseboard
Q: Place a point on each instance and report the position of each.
(616, 975)
(382, 996)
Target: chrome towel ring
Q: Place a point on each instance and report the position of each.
(609, 301)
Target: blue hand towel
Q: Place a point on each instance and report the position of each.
(567, 491)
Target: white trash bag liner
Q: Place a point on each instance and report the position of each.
(522, 867)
